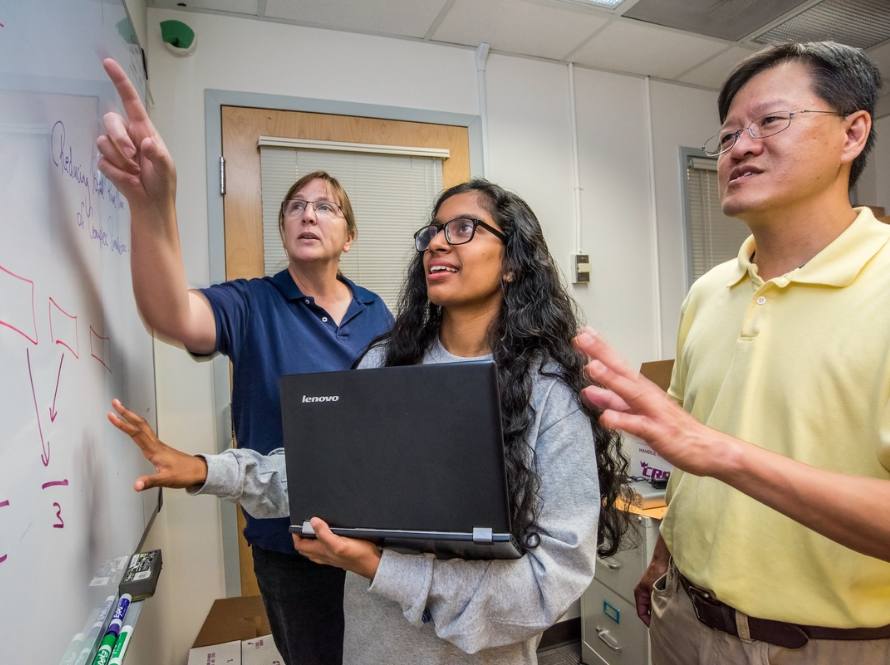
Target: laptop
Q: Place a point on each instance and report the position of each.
(411, 457)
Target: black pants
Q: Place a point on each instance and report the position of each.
(304, 602)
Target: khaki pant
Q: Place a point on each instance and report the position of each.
(678, 638)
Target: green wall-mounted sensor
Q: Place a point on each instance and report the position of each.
(178, 37)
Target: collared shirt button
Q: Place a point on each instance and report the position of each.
(324, 319)
(307, 301)
(761, 300)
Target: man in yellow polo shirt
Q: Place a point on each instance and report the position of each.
(778, 524)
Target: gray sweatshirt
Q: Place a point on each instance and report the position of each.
(419, 609)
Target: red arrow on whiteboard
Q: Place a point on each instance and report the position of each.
(52, 410)
(44, 444)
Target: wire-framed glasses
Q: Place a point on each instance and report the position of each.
(323, 208)
(764, 127)
(458, 231)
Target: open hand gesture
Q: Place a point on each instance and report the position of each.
(173, 468)
(633, 404)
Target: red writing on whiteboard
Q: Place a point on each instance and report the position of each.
(63, 328)
(60, 523)
(44, 444)
(99, 348)
(52, 410)
(17, 310)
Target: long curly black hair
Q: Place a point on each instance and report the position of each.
(536, 324)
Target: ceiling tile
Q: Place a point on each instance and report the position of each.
(411, 18)
(726, 19)
(631, 46)
(859, 23)
(713, 72)
(233, 6)
(542, 29)
(881, 56)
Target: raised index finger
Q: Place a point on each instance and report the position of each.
(132, 104)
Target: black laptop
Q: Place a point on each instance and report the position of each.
(408, 457)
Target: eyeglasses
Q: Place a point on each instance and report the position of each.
(769, 125)
(458, 231)
(325, 209)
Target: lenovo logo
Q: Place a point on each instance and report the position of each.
(309, 399)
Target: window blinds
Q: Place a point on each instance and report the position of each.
(392, 196)
(711, 236)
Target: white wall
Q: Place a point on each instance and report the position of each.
(529, 150)
(881, 163)
(617, 225)
(137, 16)
(681, 117)
(873, 187)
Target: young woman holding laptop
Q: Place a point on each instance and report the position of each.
(482, 285)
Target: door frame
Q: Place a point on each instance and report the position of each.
(214, 100)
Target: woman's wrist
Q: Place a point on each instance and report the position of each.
(371, 564)
(198, 475)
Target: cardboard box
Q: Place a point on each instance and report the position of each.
(240, 618)
(235, 632)
(260, 651)
(658, 372)
(228, 653)
(645, 462)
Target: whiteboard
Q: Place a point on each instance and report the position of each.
(70, 335)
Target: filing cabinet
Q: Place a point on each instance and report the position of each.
(611, 632)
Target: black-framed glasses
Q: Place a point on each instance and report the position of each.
(458, 231)
(323, 208)
(764, 127)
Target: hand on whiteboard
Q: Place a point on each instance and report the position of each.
(134, 156)
(329, 549)
(632, 403)
(173, 468)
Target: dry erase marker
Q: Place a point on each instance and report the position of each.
(103, 655)
(120, 647)
(118, 619)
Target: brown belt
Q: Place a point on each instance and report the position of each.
(720, 616)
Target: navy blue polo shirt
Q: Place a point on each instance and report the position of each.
(268, 327)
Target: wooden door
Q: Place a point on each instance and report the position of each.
(242, 204)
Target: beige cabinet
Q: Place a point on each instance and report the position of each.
(611, 632)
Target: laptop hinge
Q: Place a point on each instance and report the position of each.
(482, 535)
(307, 529)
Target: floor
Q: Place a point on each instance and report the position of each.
(561, 654)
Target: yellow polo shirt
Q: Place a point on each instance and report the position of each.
(799, 365)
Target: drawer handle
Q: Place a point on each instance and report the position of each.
(607, 639)
(611, 564)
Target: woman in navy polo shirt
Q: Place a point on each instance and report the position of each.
(307, 318)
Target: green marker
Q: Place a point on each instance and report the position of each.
(120, 647)
(103, 655)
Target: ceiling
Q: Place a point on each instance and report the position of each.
(690, 41)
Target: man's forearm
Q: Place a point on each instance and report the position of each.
(853, 513)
